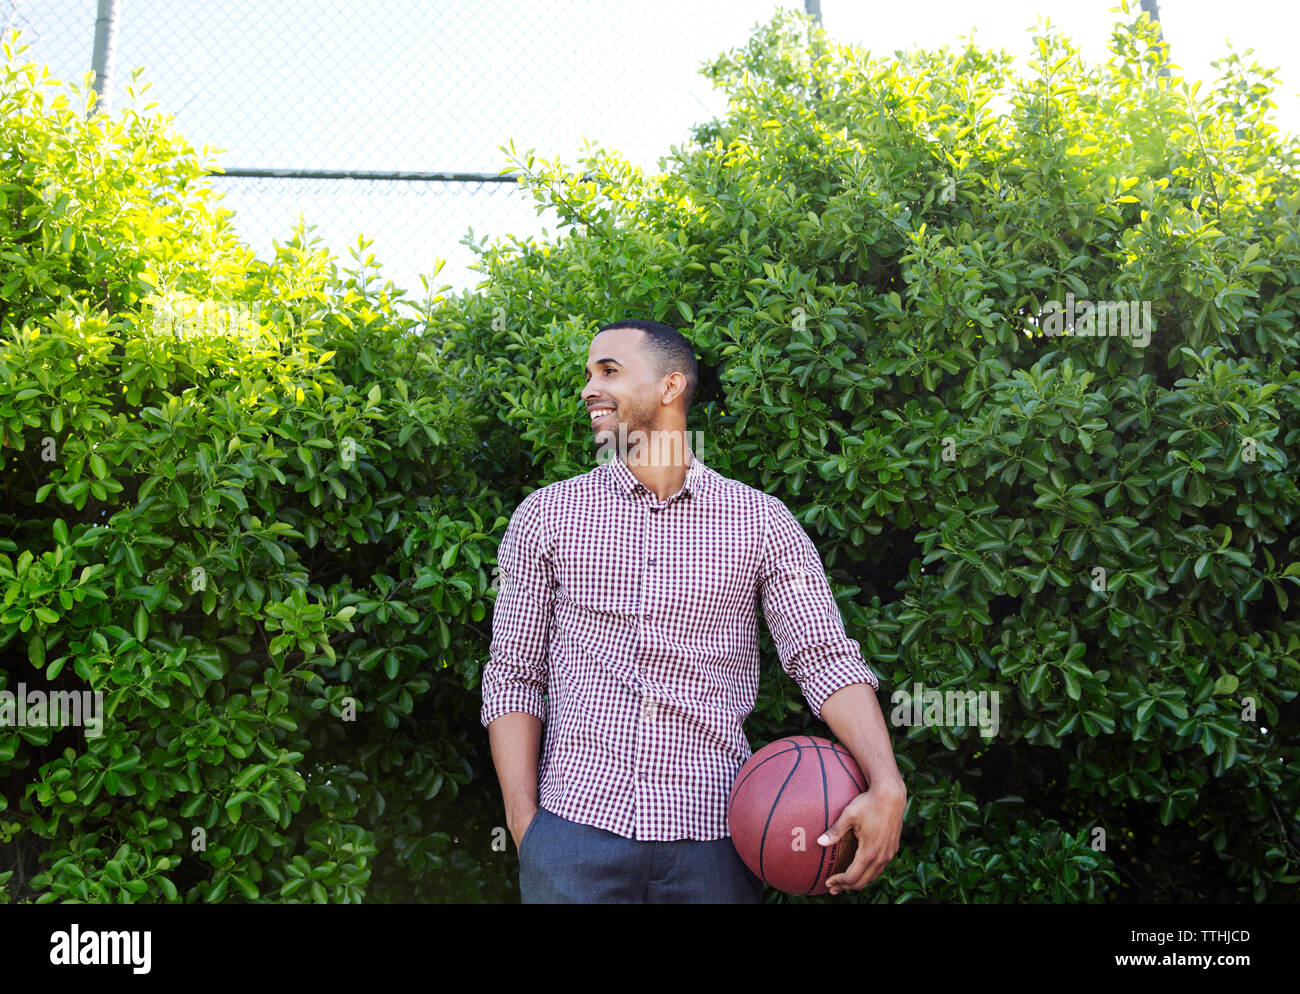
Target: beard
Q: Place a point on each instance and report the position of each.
(638, 438)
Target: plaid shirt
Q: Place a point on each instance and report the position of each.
(629, 625)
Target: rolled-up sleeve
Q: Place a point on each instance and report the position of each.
(515, 676)
(802, 615)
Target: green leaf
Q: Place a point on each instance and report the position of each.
(234, 806)
(207, 667)
(249, 775)
(1072, 688)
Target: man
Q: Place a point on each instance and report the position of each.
(628, 596)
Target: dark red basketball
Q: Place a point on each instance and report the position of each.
(785, 796)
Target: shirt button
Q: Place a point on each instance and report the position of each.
(652, 562)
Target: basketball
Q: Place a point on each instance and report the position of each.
(785, 796)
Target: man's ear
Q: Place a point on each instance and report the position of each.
(674, 386)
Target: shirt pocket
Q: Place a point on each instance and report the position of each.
(612, 593)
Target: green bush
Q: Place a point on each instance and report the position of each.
(261, 535)
(863, 251)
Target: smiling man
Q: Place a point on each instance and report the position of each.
(626, 622)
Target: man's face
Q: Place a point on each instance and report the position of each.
(620, 380)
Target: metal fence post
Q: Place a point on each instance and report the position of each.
(104, 56)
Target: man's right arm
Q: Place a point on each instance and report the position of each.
(515, 677)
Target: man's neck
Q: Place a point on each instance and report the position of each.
(662, 476)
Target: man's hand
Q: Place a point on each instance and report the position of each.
(876, 818)
(518, 825)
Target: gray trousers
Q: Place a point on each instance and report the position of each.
(565, 862)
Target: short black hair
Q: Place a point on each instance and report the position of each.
(670, 352)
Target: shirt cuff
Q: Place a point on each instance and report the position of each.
(833, 676)
(503, 700)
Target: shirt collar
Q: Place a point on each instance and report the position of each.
(622, 478)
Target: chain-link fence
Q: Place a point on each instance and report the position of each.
(319, 104)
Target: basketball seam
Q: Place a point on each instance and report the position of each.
(767, 759)
(762, 842)
(839, 757)
(826, 816)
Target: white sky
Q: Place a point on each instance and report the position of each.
(438, 85)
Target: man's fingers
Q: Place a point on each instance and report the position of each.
(868, 863)
(854, 876)
(832, 834)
